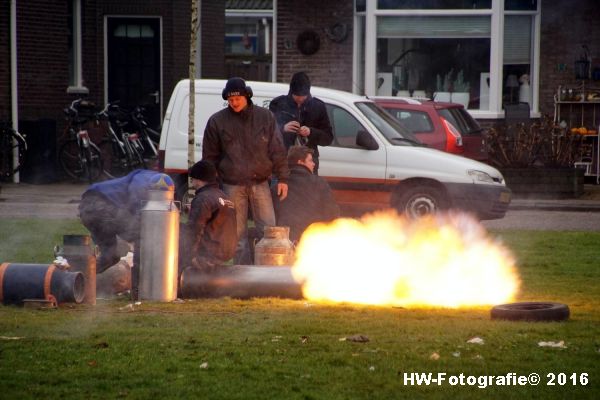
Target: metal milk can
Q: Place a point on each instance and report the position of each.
(275, 248)
(159, 246)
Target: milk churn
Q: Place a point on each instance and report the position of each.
(81, 256)
(275, 248)
(159, 242)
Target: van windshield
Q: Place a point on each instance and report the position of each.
(393, 131)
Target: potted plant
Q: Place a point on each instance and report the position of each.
(442, 92)
(460, 92)
(537, 159)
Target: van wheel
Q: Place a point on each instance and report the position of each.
(418, 201)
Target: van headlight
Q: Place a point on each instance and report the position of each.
(480, 176)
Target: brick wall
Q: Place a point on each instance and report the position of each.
(331, 65)
(566, 26)
(43, 73)
(212, 55)
(5, 64)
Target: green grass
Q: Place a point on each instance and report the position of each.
(285, 349)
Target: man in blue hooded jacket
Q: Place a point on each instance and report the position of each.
(112, 208)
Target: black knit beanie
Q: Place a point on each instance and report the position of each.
(204, 171)
(235, 87)
(300, 84)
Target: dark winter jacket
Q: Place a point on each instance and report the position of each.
(246, 147)
(211, 228)
(309, 200)
(312, 113)
(129, 191)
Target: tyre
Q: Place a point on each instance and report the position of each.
(86, 166)
(531, 311)
(417, 201)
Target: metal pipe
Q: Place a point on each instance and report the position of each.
(240, 281)
(19, 282)
(80, 254)
(14, 92)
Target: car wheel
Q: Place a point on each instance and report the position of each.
(418, 201)
(531, 311)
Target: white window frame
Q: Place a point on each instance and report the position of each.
(496, 13)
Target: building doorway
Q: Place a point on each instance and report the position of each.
(134, 65)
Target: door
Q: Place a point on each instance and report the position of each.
(133, 64)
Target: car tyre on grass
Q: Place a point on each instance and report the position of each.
(531, 311)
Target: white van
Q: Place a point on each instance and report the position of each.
(373, 162)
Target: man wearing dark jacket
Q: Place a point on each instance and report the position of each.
(113, 208)
(309, 196)
(209, 237)
(302, 118)
(244, 144)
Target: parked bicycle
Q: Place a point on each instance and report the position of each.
(12, 151)
(148, 136)
(123, 149)
(79, 157)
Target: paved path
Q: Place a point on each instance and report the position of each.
(60, 200)
(53, 201)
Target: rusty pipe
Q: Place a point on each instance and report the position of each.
(81, 256)
(240, 281)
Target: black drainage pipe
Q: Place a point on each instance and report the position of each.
(20, 282)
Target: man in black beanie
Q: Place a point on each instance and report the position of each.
(209, 238)
(302, 118)
(242, 141)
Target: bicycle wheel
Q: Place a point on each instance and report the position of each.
(81, 165)
(9, 142)
(113, 158)
(94, 165)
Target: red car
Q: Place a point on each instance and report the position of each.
(443, 126)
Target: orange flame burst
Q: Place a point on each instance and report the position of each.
(384, 259)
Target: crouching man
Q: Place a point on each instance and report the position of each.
(309, 196)
(113, 208)
(209, 238)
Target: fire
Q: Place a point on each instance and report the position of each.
(384, 259)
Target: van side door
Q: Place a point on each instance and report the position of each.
(354, 172)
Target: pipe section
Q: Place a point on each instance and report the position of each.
(80, 254)
(19, 282)
(240, 281)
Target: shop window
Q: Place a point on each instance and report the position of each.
(445, 58)
(516, 72)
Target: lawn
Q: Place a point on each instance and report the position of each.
(285, 349)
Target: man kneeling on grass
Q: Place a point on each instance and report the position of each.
(209, 238)
(309, 196)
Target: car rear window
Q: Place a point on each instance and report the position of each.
(461, 119)
(416, 121)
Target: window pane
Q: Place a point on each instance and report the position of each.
(520, 5)
(433, 4)
(426, 67)
(429, 27)
(517, 59)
